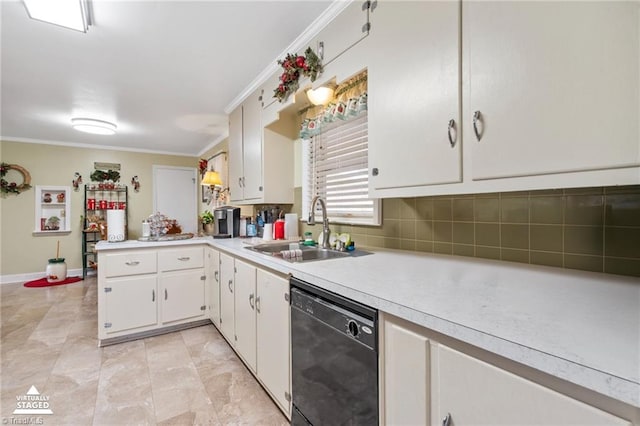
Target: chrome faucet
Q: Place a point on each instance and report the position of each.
(325, 221)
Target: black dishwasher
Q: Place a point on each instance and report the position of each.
(334, 358)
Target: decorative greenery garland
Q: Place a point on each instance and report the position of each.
(101, 175)
(294, 66)
(14, 188)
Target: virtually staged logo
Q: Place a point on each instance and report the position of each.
(32, 403)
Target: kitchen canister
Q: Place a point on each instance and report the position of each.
(278, 229)
(56, 270)
(146, 228)
(243, 226)
(291, 226)
(115, 225)
(267, 233)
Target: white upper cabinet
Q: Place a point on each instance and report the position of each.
(484, 96)
(252, 147)
(414, 95)
(348, 28)
(236, 155)
(260, 160)
(245, 151)
(556, 85)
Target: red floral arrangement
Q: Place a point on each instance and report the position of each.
(295, 66)
(202, 165)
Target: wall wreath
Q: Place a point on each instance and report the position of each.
(13, 187)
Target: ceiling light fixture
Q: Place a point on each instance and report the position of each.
(320, 96)
(71, 14)
(90, 125)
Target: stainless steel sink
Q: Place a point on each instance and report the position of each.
(270, 248)
(295, 252)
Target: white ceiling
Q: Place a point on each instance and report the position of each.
(163, 71)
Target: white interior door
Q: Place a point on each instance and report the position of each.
(175, 195)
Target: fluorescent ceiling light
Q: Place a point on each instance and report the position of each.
(66, 13)
(97, 127)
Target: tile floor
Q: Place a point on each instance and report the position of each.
(48, 340)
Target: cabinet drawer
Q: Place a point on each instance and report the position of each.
(130, 263)
(183, 258)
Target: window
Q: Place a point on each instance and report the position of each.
(335, 167)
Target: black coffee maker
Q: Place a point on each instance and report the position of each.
(227, 222)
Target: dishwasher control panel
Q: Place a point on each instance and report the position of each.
(338, 317)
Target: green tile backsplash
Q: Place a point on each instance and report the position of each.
(591, 229)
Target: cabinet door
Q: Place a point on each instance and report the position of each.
(130, 303)
(245, 302)
(273, 331)
(227, 310)
(414, 81)
(182, 295)
(345, 30)
(213, 279)
(405, 374)
(556, 84)
(235, 155)
(252, 148)
(474, 392)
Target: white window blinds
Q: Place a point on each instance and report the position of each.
(335, 167)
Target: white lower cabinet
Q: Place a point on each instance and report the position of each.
(227, 308)
(245, 306)
(212, 265)
(273, 336)
(473, 392)
(129, 304)
(182, 295)
(405, 374)
(426, 382)
(254, 318)
(144, 291)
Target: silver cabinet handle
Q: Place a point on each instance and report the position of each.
(153, 295)
(132, 263)
(452, 125)
(184, 258)
(477, 117)
(230, 289)
(251, 296)
(216, 276)
(166, 294)
(258, 304)
(446, 421)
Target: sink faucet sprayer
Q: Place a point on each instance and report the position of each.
(325, 221)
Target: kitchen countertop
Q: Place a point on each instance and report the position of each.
(579, 326)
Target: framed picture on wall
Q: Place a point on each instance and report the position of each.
(206, 194)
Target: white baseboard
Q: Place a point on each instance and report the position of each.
(21, 278)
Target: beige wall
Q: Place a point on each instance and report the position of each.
(21, 252)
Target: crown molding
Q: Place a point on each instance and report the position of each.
(300, 42)
(213, 143)
(94, 146)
